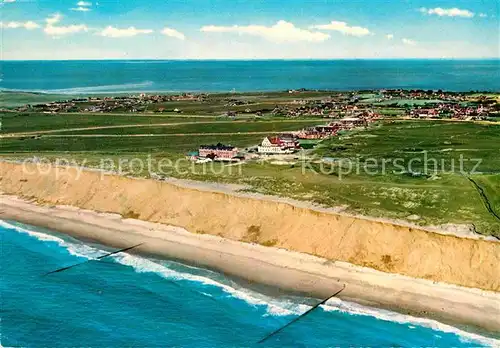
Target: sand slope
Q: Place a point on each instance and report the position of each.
(383, 246)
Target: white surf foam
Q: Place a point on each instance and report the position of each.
(273, 307)
(75, 249)
(104, 88)
(351, 308)
(284, 307)
(123, 88)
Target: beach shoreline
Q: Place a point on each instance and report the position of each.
(202, 209)
(313, 276)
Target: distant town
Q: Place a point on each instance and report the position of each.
(404, 103)
(342, 111)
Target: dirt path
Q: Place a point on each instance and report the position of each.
(140, 125)
(159, 115)
(444, 120)
(485, 199)
(153, 135)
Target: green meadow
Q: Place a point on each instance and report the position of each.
(32, 122)
(358, 171)
(15, 99)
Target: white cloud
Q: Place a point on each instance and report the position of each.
(54, 19)
(7, 1)
(409, 42)
(389, 36)
(173, 33)
(80, 9)
(483, 15)
(29, 25)
(343, 28)
(447, 12)
(82, 6)
(55, 30)
(65, 30)
(127, 32)
(282, 31)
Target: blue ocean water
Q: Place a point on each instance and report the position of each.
(88, 77)
(127, 301)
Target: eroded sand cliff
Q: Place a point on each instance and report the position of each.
(383, 246)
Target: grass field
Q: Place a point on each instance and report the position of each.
(441, 142)
(14, 99)
(427, 165)
(205, 126)
(432, 197)
(29, 122)
(137, 145)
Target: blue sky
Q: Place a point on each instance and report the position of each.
(252, 29)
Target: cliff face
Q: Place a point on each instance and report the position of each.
(383, 246)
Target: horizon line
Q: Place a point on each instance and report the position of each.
(244, 59)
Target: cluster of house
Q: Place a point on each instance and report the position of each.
(236, 102)
(326, 108)
(331, 129)
(318, 132)
(177, 97)
(281, 144)
(295, 91)
(65, 106)
(421, 94)
(108, 104)
(336, 105)
(455, 111)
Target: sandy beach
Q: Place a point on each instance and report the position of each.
(284, 269)
(381, 245)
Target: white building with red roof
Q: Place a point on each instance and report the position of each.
(278, 145)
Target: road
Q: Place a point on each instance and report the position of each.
(142, 125)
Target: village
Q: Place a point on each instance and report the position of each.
(279, 146)
(137, 103)
(346, 111)
(292, 104)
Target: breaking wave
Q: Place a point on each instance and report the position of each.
(126, 87)
(286, 307)
(351, 308)
(273, 307)
(289, 306)
(76, 249)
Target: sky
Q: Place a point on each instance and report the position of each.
(252, 29)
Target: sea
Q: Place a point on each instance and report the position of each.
(170, 76)
(132, 301)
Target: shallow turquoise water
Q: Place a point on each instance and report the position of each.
(224, 76)
(130, 301)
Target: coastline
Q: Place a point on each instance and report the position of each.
(381, 245)
(238, 191)
(284, 269)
